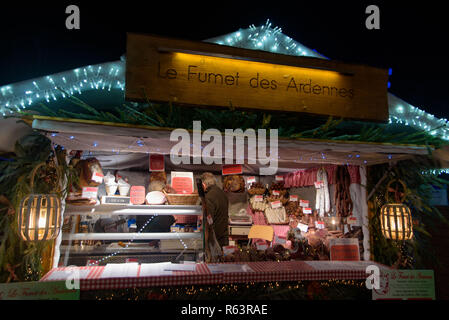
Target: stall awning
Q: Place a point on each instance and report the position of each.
(122, 145)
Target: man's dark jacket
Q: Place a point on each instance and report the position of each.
(217, 207)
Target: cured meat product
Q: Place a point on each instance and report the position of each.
(276, 216)
(342, 197)
(257, 205)
(233, 183)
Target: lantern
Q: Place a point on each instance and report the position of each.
(39, 215)
(396, 218)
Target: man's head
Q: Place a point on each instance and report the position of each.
(208, 180)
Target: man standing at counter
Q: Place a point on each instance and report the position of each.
(217, 207)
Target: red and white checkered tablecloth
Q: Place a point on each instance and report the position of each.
(262, 272)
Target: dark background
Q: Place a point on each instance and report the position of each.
(411, 39)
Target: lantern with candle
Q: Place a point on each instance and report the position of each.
(39, 215)
(395, 217)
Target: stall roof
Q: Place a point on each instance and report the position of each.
(123, 145)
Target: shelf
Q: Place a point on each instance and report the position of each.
(141, 210)
(132, 248)
(133, 236)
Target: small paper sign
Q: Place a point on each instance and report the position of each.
(294, 198)
(131, 260)
(261, 232)
(258, 198)
(351, 220)
(280, 239)
(276, 204)
(276, 193)
(137, 195)
(231, 169)
(303, 227)
(319, 184)
(304, 203)
(279, 178)
(97, 177)
(250, 180)
(182, 182)
(319, 225)
(157, 162)
(90, 192)
(227, 250)
(344, 249)
(307, 210)
(209, 219)
(261, 246)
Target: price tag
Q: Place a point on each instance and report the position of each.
(276, 204)
(250, 180)
(319, 184)
(258, 198)
(209, 219)
(293, 198)
(279, 178)
(90, 192)
(280, 239)
(319, 225)
(227, 250)
(303, 227)
(307, 210)
(97, 177)
(260, 246)
(351, 220)
(304, 203)
(276, 193)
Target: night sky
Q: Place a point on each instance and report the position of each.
(411, 39)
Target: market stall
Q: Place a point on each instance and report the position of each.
(305, 222)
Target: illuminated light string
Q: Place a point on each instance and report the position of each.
(110, 76)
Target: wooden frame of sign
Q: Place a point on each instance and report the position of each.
(203, 74)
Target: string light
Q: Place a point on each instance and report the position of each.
(110, 76)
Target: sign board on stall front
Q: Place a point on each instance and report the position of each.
(34, 290)
(405, 285)
(205, 74)
(344, 249)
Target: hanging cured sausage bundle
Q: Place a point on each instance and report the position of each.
(342, 197)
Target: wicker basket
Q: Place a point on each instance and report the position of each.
(181, 199)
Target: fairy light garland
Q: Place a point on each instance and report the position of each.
(110, 76)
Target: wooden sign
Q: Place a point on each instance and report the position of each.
(204, 74)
